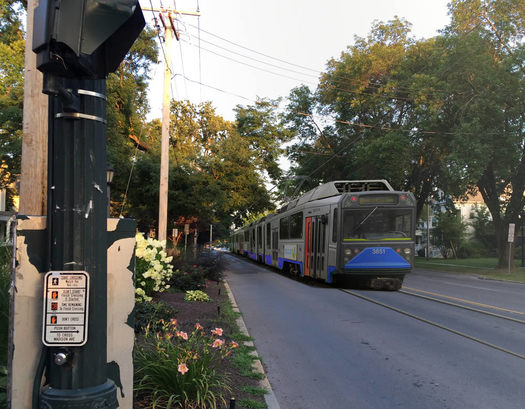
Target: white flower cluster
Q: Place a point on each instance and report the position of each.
(153, 270)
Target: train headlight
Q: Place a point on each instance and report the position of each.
(349, 254)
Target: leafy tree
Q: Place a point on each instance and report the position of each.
(213, 176)
(487, 80)
(12, 49)
(377, 96)
(449, 233)
(316, 152)
(260, 125)
(440, 113)
(484, 229)
(127, 109)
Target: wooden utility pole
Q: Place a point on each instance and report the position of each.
(33, 180)
(165, 146)
(169, 31)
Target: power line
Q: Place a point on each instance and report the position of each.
(317, 72)
(256, 52)
(340, 121)
(300, 80)
(330, 86)
(244, 63)
(257, 60)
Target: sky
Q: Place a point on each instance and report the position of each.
(251, 48)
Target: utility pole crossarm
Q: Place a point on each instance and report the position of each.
(164, 10)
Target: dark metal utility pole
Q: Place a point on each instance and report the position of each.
(78, 43)
(77, 376)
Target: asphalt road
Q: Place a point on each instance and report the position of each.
(324, 348)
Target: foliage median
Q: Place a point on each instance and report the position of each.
(189, 352)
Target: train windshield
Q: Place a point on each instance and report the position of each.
(377, 224)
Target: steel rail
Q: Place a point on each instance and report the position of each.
(435, 324)
(492, 307)
(465, 307)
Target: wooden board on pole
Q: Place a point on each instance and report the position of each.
(33, 181)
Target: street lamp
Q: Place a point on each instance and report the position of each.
(110, 172)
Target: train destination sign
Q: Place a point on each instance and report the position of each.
(66, 300)
(378, 199)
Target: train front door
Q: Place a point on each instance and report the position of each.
(315, 246)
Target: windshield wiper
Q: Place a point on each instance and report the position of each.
(364, 220)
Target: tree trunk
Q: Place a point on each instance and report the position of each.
(503, 249)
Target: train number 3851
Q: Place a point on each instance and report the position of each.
(378, 251)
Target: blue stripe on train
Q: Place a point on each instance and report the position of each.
(377, 257)
(329, 278)
(268, 259)
(281, 262)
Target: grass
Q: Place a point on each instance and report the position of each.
(243, 359)
(250, 404)
(484, 267)
(254, 390)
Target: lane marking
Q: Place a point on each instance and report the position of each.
(465, 301)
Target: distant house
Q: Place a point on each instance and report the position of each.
(467, 209)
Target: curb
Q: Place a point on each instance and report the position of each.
(271, 400)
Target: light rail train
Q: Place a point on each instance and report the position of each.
(359, 231)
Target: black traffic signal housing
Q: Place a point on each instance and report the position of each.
(84, 38)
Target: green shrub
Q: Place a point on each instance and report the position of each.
(192, 273)
(179, 369)
(152, 315)
(189, 277)
(196, 295)
(473, 248)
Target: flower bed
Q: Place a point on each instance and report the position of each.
(189, 352)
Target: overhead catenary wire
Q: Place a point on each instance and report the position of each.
(317, 72)
(329, 86)
(367, 86)
(340, 121)
(293, 78)
(257, 59)
(256, 52)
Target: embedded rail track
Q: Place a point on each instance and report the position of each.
(443, 300)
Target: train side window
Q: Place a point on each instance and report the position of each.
(334, 227)
(275, 238)
(246, 236)
(268, 235)
(283, 228)
(259, 236)
(296, 225)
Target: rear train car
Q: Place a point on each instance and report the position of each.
(344, 231)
